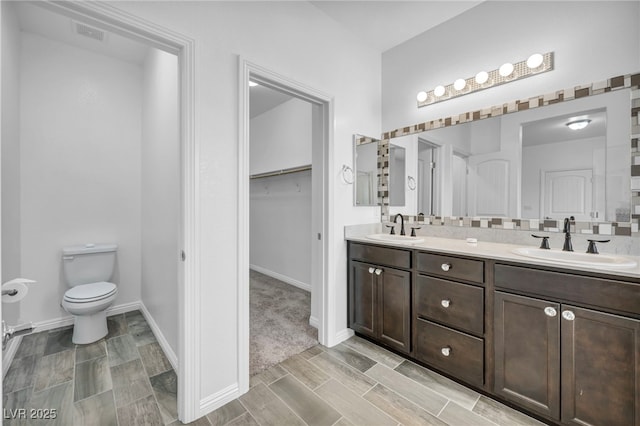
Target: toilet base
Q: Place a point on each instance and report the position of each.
(89, 328)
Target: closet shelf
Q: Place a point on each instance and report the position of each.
(282, 172)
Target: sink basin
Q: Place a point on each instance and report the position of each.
(578, 259)
(395, 238)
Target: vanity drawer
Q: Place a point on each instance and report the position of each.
(451, 267)
(613, 295)
(380, 255)
(456, 305)
(451, 351)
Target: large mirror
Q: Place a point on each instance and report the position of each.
(529, 164)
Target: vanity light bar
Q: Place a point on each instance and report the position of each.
(508, 72)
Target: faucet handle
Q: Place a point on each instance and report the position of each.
(592, 245)
(393, 229)
(413, 230)
(545, 241)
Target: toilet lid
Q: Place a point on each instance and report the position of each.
(90, 292)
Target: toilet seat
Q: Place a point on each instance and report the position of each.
(93, 292)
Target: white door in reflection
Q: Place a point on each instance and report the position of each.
(567, 193)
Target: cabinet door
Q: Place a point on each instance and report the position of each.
(600, 368)
(363, 298)
(394, 295)
(527, 352)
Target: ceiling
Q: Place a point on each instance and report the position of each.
(555, 129)
(378, 24)
(386, 24)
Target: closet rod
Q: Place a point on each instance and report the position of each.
(281, 172)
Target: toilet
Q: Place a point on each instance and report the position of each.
(87, 271)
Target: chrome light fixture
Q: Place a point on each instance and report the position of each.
(535, 64)
(578, 124)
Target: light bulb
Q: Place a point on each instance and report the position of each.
(459, 84)
(482, 77)
(422, 96)
(439, 90)
(535, 61)
(506, 69)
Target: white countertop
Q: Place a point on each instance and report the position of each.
(498, 251)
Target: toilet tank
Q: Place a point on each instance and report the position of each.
(88, 263)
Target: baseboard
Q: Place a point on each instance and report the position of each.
(68, 320)
(342, 335)
(9, 353)
(314, 322)
(283, 278)
(218, 399)
(162, 341)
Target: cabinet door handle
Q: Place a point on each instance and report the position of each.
(372, 270)
(551, 312)
(568, 315)
(378, 271)
(446, 266)
(445, 303)
(446, 351)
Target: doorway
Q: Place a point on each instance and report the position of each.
(127, 26)
(321, 134)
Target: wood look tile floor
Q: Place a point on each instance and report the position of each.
(359, 383)
(123, 379)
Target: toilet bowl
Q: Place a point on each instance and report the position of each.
(86, 270)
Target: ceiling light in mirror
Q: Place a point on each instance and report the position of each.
(578, 124)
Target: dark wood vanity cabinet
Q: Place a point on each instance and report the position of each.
(449, 315)
(380, 294)
(560, 344)
(572, 364)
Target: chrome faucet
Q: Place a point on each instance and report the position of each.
(395, 220)
(567, 234)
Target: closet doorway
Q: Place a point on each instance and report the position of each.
(284, 205)
(280, 205)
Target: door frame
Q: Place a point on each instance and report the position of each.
(115, 20)
(324, 299)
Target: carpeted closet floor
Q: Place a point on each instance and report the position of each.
(279, 322)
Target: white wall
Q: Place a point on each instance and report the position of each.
(281, 137)
(160, 192)
(591, 40)
(80, 166)
(280, 220)
(10, 140)
(300, 42)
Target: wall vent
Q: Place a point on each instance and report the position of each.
(88, 31)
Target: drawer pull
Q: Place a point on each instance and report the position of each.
(568, 315)
(378, 271)
(445, 303)
(445, 266)
(446, 351)
(550, 312)
(372, 270)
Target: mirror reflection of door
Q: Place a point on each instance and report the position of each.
(567, 193)
(459, 193)
(426, 177)
(397, 174)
